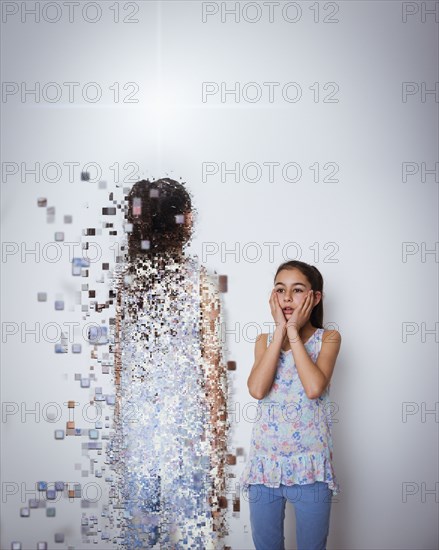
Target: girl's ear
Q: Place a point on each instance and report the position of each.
(317, 297)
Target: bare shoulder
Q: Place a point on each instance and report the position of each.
(203, 274)
(207, 284)
(331, 337)
(326, 360)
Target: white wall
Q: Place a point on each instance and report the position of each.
(353, 229)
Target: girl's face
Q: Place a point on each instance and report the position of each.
(291, 287)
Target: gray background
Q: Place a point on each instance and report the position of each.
(353, 229)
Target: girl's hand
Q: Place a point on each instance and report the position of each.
(301, 314)
(276, 310)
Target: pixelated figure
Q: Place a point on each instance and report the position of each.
(169, 443)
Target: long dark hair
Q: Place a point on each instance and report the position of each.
(316, 281)
(152, 210)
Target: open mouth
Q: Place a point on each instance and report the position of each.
(288, 310)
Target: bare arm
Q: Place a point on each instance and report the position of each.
(315, 377)
(215, 389)
(117, 352)
(264, 368)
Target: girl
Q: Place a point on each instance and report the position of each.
(291, 445)
(169, 447)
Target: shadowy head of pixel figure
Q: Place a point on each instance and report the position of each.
(160, 213)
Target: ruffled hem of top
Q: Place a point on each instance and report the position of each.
(299, 469)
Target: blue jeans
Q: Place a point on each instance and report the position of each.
(312, 507)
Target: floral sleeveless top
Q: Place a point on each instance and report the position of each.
(291, 439)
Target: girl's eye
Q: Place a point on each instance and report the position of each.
(281, 290)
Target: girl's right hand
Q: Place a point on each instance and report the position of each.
(276, 310)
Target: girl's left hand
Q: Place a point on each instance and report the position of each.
(302, 313)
